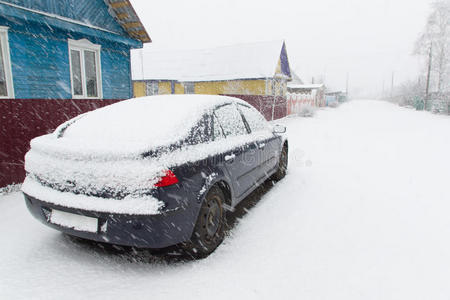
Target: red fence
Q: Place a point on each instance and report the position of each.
(272, 107)
(24, 119)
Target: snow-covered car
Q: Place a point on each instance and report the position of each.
(153, 172)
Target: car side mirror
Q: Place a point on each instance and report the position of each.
(277, 128)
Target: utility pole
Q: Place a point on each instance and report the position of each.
(142, 63)
(427, 90)
(392, 85)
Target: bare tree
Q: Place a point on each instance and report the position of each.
(434, 44)
(410, 93)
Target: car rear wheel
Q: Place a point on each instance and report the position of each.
(282, 165)
(210, 226)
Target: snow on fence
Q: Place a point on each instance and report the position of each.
(24, 119)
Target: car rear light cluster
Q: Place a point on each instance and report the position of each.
(169, 178)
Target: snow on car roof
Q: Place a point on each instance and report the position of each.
(131, 126)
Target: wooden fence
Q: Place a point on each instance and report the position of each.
(271, 107)
(24, 119)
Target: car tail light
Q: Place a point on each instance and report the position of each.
(168, 179)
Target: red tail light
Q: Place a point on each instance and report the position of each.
(168, 179)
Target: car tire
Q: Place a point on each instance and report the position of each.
(282, 165)
(209, 230)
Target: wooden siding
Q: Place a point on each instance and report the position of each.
(93, 12)
(40, 62)
(179, 88)
(278, 69)
(245, 87)
(237, 87)
(116, 75)
(164, 88)
(19, 17)
(139, 89)
(232, 87)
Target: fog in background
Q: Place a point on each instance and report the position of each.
(325, 39)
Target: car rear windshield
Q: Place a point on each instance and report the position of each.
(150, 121)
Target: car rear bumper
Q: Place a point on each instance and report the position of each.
(143, 231)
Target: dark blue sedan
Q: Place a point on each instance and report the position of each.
(153, 172)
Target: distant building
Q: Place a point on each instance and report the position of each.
(256, 72)
(305, 94)
(59, 59)
(334, 98)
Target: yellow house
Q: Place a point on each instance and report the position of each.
(247, 69)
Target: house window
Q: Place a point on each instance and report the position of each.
(189, 88)
(6, 84)
(85, 69)
(152, 88)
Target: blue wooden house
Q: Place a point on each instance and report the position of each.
(67, 49)
(59, 58)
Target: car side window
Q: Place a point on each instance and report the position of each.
(201, 132)
(254, 119)
(231, 120)
(217, 130)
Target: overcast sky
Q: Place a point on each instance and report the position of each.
(369, 39)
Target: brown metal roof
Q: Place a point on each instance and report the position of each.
(125, 14)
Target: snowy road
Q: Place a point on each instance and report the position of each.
(364, 213)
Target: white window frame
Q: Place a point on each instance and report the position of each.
(6, 62)
(81, 46)
(189, 87)
(151, 88)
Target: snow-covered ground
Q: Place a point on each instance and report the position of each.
(364, 213)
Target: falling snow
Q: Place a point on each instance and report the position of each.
(361, 214)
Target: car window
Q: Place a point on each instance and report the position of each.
(231, 120)
(201, 132)
(217, 130)
(254, 119)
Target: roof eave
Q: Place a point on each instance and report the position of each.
(126, 16)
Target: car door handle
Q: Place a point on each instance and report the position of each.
(230, 158)
(261, 145)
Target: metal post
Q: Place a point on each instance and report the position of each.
(274, 97)
(427, 90)
(142, 63)
(392, 85)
